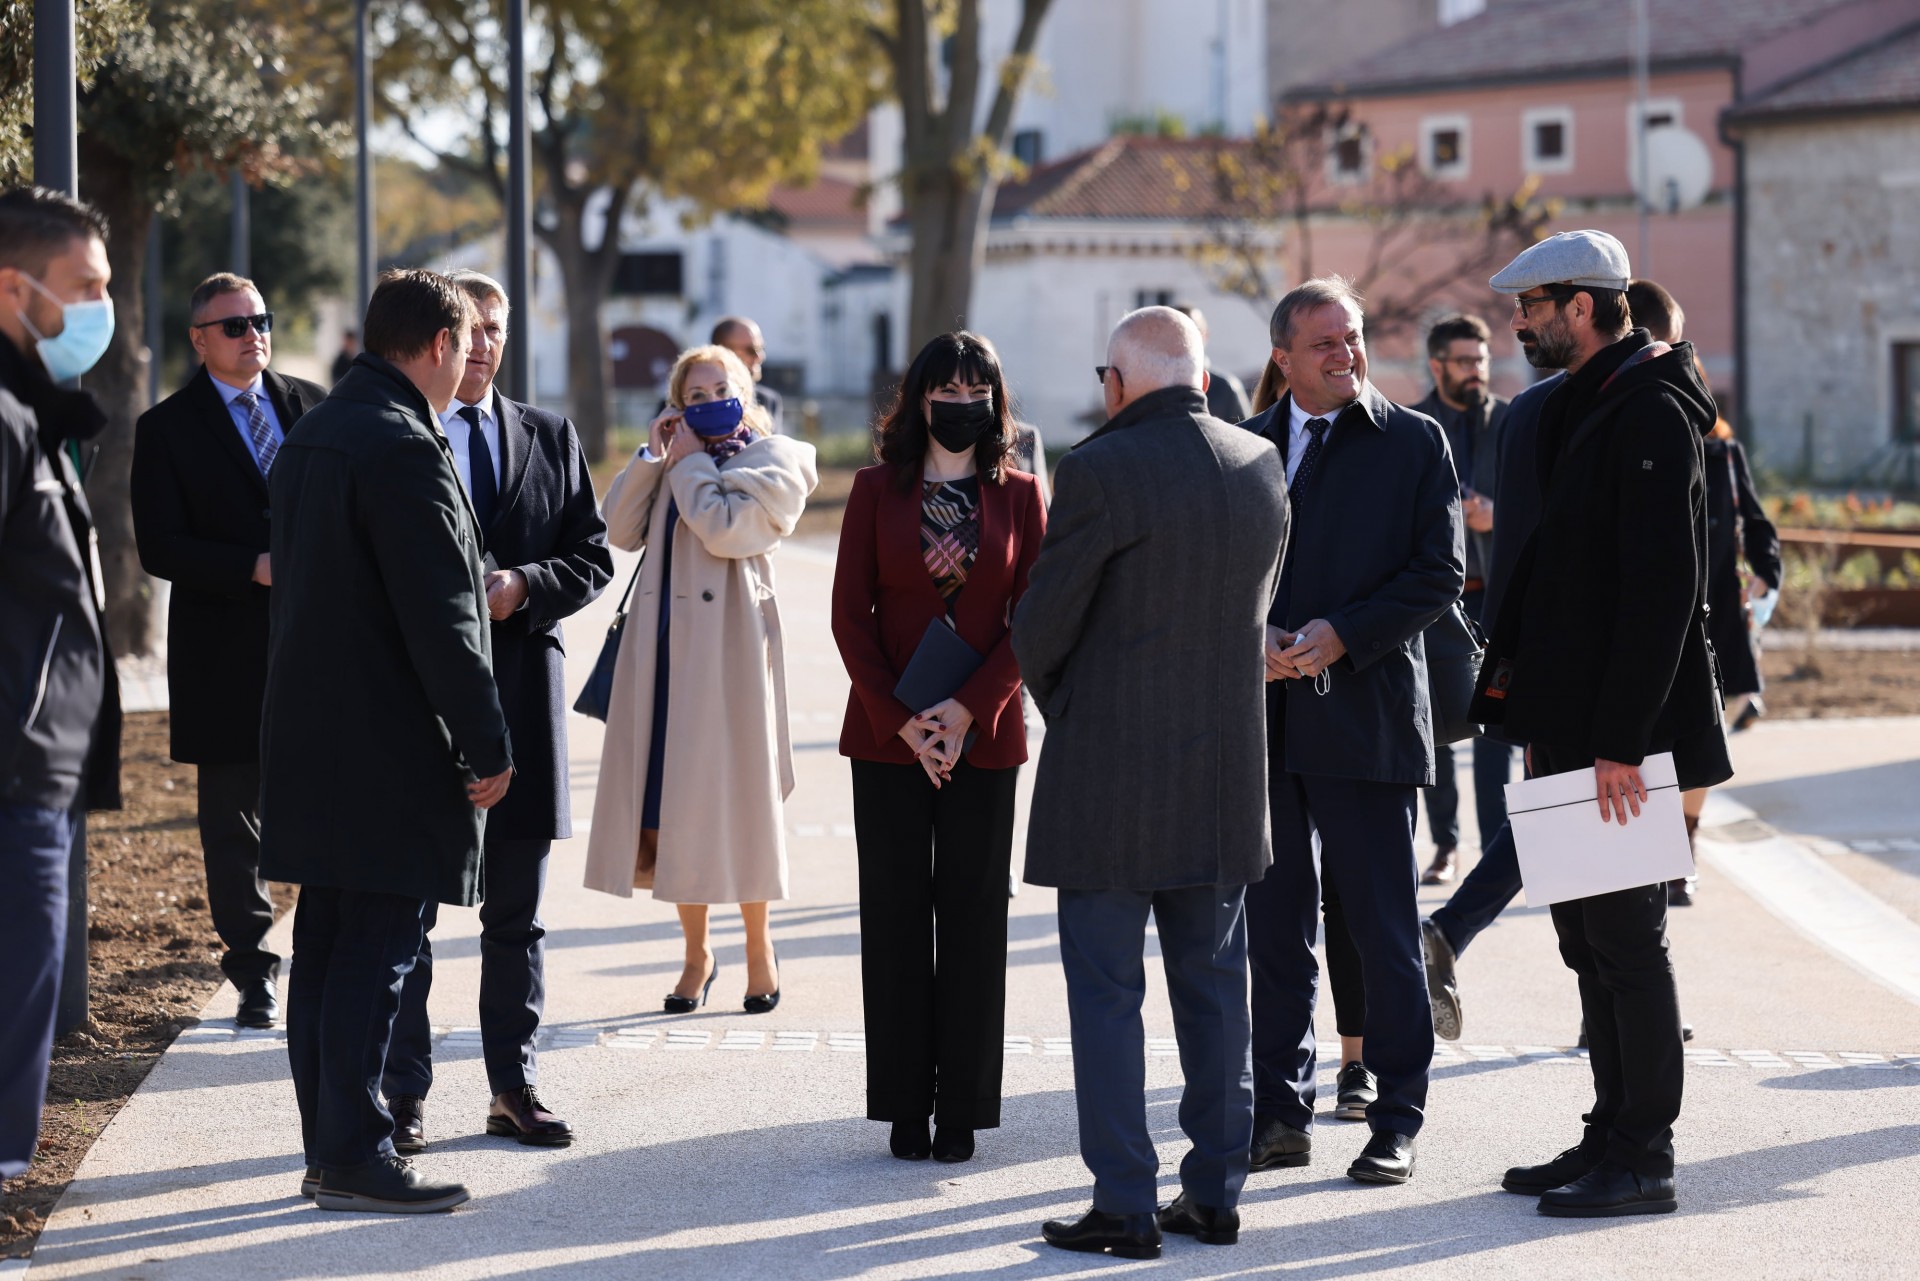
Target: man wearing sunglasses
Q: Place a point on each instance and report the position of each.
(200, 515)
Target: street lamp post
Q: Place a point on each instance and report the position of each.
(519, 354)
(240, 247)
(362, 125)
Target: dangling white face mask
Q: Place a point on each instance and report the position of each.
(80, 344)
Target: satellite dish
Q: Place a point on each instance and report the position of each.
(1679, 170)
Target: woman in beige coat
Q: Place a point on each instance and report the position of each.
(697, 761)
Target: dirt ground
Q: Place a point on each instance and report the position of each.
(154, 962)
(1848, 683)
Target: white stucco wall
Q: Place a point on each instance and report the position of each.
(1833, 281)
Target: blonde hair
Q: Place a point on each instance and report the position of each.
(739, 382)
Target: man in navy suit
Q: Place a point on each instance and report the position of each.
(546, 557)
(1376, 556)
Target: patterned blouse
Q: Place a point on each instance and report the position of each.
(950, 532)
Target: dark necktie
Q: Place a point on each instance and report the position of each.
(1303, 475)
(265, 445)
(486, 491)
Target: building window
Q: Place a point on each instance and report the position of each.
(1443, 146)
(1153, 298)
(648, 275)
(1660, 113)
(1028, 148)
(1452, 11)
(1546, 140)
(1906, 392)
(1348, 154)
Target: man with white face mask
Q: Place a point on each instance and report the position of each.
(55, 671)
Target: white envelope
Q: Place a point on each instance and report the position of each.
(1568, 851)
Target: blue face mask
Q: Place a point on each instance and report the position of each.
(79, 346)
(713, 418)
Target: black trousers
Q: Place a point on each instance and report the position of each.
(513, 983)
(237, 897)
(352, 951)
(1617, 945)
(34, 846)
(1344, 976)
(933, 939)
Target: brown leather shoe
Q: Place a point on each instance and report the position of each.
(1441, 870)
(519, 1114)
(409, 1123)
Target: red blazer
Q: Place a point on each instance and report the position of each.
(883, 599)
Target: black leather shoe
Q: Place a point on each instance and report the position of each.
(310, 1182)
(385, 1185)
(259, 1005)
(409, 1123)
(909, 1140)
(676, 1004)
(1277, 1145)
(1609, 1191)
(1532, 1180)
(1387, 1158)
(1442, 870)
(1202, 1222)
(1443, 990)
(519, 1114)
(952, 1144)
(1132, 1236)
(1358, 1088)
(1680, 892)
(771, 1001)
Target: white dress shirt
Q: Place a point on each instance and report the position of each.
(242, 419)
(455, 428)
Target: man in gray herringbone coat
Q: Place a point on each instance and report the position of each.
(1141, 638)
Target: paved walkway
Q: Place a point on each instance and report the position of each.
(723, 1145)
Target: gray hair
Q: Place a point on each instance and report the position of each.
(482, 288)
(1307, 296)
(1156, 347)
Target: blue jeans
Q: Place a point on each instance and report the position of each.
(34, 846)
(1203, 946)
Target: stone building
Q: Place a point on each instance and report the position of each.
(1830, 283)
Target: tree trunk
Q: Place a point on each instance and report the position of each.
(119, 383)
(949, 222)
(586, 275)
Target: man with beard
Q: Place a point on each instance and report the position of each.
(1600, 659)
(1473, 418)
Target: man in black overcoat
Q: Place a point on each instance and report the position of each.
(545, 549)
(381, 739)
(201, 458)
(1376, 557)
(1140, 635)
(1599, 658)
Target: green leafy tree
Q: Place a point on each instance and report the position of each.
(951, 162)
(184, 92)
(98, 26)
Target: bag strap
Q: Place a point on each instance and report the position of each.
(627, 595)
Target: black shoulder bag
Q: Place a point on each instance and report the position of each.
(596, 697)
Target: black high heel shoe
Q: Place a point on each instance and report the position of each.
(677, 1004)
(768, 1003)
(952, 1144)
(909, 1140)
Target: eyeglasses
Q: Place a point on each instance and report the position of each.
(1522, 303)
(236, 326)
(1101, 371)
(1468, 364)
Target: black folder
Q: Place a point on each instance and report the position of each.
(938, 668)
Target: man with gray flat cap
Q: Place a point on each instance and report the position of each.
(1599, 658)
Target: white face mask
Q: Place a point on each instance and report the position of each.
(80, 343)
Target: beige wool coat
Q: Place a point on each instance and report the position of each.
(729, 762)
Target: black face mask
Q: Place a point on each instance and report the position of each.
(959, 426)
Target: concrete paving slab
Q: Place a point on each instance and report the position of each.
(745, 1154)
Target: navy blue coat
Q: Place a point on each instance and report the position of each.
(1378, 550)
(547, 525)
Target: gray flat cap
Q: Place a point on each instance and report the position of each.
(1590, 258)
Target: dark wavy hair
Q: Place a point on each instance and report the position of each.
(962, 357)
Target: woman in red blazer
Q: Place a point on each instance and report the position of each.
(942, 529)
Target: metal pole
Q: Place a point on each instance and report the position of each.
(519, 354)
(1642, 73)
(362, 126)
(156, 338)
(56, 106)
(240, 248)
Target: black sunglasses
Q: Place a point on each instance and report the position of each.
(236, 326)
(1101, 372)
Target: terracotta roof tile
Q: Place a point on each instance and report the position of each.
(826, 202)
(1886, 74)
(1127, 177)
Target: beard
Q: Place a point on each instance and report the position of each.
(1550, 347)
(1471, 394)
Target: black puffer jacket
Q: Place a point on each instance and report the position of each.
(55, 672)
(1601, 644)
